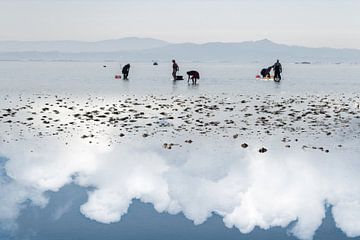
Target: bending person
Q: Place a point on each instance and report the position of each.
(193, 75)
(265, 72)
(125, 71)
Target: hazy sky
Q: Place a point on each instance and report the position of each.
(334, 23)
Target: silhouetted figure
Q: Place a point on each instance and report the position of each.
(175, 68)
(193, 75)
(125, 71)
(265, 72)
(277, 71)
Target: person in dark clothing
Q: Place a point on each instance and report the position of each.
(277, 71)
(194, 76)
(125, 71)
(265, 72)
(175, 68)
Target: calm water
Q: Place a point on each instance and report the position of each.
(84, 77)
(53, 190)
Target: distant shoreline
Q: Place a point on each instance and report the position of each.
(201, 62)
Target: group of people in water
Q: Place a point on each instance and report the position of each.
(266, 72)
(194, 76)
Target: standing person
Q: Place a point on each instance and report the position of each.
(125, 71)
(175, 68)
(277, 70)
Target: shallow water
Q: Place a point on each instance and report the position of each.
(72, 124)
(85, 77)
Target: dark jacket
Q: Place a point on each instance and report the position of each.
(277, 67)
(194, 74)
(126, 69)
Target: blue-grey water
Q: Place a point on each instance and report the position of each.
(59, 182)
(80, 77)
(141, 222)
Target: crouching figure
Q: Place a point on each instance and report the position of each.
(194, 76)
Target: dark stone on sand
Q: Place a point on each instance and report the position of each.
(263, 150)
(244, 145)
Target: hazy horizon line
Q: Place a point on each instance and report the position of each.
(180, 42)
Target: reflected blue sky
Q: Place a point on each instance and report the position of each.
(141, 222)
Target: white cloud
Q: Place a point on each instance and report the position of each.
(246, 188)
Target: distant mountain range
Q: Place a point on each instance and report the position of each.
(123, 44)
(147, 49)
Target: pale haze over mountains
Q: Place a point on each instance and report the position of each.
(123, 44)
(147, 49)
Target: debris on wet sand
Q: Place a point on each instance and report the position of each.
(234, 117)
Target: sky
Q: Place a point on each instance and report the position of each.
(320, 23)
(59, 216)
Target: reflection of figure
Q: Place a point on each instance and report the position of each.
(175, 69)
(265, 72)
(125, 71)
(193, 75)
(277, 70)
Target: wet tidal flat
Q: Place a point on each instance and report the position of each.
(299, 120)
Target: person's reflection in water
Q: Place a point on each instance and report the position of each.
(193, 87)
(126, 86)
(277, 84)
(174, 87)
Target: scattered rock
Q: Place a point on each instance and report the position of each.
(263, 150)
(244, 145)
